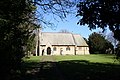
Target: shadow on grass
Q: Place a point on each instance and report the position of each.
(71, 70)
(85, 70)
(40, 71)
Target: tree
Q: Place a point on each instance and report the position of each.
(30, 45)
(64, 31)
(100, 14)
(58, 9)
(18, 19)
(98, 44)
(111, 39)
(85, 40)
(118, 51)
(15, 18)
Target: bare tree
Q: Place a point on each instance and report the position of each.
(57, 9)
(64, 31)
(110, 37)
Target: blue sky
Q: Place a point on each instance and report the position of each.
(70, 24)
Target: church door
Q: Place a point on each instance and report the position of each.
(48, 51)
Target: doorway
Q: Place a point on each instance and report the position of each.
(48, 51)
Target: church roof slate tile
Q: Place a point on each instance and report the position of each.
(61, 39)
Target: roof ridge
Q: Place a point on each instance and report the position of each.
(57, 32)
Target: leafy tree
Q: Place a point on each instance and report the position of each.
(15, 18)
(118, 51)
(85, 40)
(18, 19)
(30, 45)
(98, 44)
(100, 14)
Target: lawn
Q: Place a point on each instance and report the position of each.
(32, 59)
(89, 67)
(99, 58)
(77, 67)
(95, 58)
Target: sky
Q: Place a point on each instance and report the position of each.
(70, 24)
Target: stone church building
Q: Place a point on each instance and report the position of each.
(53, 43)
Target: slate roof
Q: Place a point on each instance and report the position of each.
(79, 40)
(61, 39)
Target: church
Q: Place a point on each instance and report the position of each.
(57, 43)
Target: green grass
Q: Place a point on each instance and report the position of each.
(96, 58)
(99, 58)
(89, 67)
(75, 67)
(32, 59)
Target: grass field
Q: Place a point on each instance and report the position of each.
(82, 67)
(89, 67)
(99, 58)
(32, 59)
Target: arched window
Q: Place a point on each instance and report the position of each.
(54, 48)
(68, 48)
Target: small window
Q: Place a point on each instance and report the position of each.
(54, 49)
(68, 48)
(80, 48)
